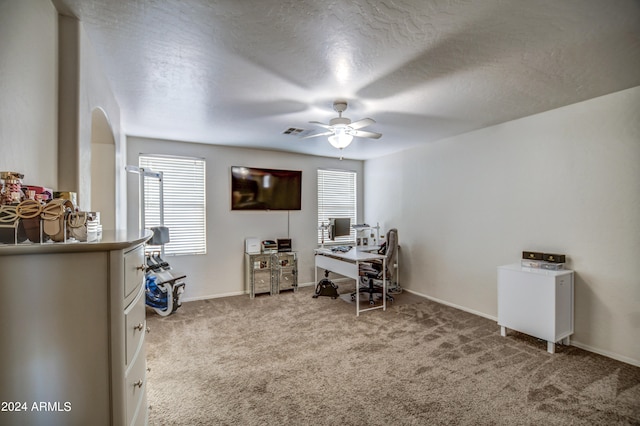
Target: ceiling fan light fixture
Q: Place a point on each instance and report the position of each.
(340, 139)
(341, 130)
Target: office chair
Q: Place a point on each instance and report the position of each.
(372, 273)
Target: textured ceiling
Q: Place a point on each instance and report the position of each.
(240, 72)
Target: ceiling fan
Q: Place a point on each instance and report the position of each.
(341, 130)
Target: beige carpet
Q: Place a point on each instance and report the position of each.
(294, 360)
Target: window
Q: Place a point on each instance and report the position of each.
(183, 198)
(336, 198)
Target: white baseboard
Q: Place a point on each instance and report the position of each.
(608, 354)
(239, 293)
(575, 343)
(213, 296)
(443, 302)
(312, 284)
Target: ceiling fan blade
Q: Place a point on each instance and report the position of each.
(362, 123)
(365, 134)
(317, 134)
(317, 123)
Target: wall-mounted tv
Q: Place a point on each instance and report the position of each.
(265, 189)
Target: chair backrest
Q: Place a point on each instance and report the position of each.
(392, 250)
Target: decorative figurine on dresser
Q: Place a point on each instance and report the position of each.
(535, 297)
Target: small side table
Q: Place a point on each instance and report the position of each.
(536, 302)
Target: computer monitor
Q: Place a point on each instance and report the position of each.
(339, 227)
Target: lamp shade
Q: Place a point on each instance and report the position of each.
(340, 139)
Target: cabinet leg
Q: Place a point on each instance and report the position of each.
(566, 341)
(551, 347)
(503, 331)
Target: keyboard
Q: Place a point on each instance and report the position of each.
(341, 249)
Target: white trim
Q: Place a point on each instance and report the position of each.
(608, 354)
(213, 296)
(462, 308)
(573, 342)
(312, 284)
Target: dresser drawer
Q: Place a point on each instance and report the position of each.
(133, 271)
(262, 281)
(287, 279)
(141, 414)
(135, 388)
(135, 326)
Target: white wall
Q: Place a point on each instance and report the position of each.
(35, 40)
(86, 89)
(564, 181)
(221, 272)
(28, 90)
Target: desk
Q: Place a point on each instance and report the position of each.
(348, 265)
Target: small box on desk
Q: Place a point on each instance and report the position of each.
(532, 255)
(526, 263)
(553, 266)
(269, 246)
(252, 245)
(284, 244)
(554, 258)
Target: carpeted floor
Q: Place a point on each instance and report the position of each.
(290, 359)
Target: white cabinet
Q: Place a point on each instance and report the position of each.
(72, 332)
(536, 302)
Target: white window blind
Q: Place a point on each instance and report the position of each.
(184, 201)
(337, 197)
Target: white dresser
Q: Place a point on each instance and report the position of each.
(72, 331)
(537, 302)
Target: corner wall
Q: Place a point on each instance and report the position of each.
(564, 181)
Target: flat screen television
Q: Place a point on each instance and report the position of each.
(265, 189)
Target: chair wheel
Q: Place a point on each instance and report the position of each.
(371, 302)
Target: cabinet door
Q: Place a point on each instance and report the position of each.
(526, 303)
(133, 272)
(262, 281)
(286, 279)
(564, 306)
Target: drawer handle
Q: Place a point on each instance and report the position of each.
(139, 327)
(141, 268)
(138, 383)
